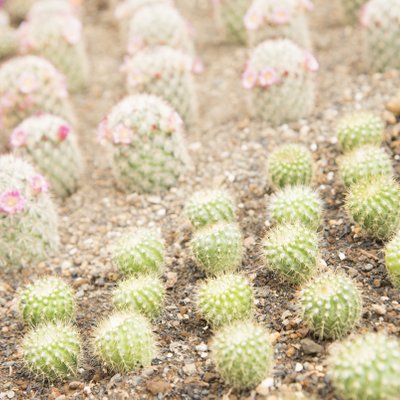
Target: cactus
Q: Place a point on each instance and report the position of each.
(28, 219)
(359, 129)
(289, 165)
(48, 299)
(297, 204)
(145, 140)
(50, 143)
(331, 305)
(52, 351)
(144, 295)
(268, 19)
(363, 163)
(280, 82)
(140, 253)
(208, 207)
(366, 367)
(17, 9)
(392, 260)
(50, 8)
(8, 41)
(243, 354)
(352, 9)
(292, 252)
(374, 204)
(218, 248)
(124, 342)
(165, 72)
(225, 299)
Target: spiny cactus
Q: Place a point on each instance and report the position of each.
(292, 252)
(144, 295)
(358, 129)
(268, 19)
(52, 351)
(47, 299)
(165, 72)
(365, 162)
(140, 253)
(145, 140)
(124, 341)
(331, 305)
(218, 248)
(243, 354)
(50, 8)
(279, 78)
(392, 260)
(366, 367)
(225, 299)
(50, 143)
(296, 204)
(374, 204)
(28, 219)
(208, 207)
(289, 165)
(8, 41)
(17, 9)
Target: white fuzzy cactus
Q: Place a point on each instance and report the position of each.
(43, 9)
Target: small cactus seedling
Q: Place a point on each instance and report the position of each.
(292, 252)
(392, 260)
(209, 207)
(143, 294)
(363, 163)
(289, 165)
(218, 248)
(52, 351)
(374, 204)
(243, 354)
(366, 367)
(296, 204)
(47, 299)
(352, 9)
(124, 342)
(145, 140)
(8, 42)
(50, 143)
(359, 129)
(225, 299)
(279, 78)
(140, 253)
(331, 305)
(28, 218)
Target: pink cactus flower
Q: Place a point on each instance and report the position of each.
(38, 184)
(310, 62)
(268, 77)
(18, 138)
(122, 134)
(63, 132)
(253, 19)
(249, 79)
(11, 202)
(72, 31)
(102, 131)
(27, 83)
(135, 44)
(280, 16)
(175, 122)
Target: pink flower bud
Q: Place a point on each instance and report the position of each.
(63, 132)
(11, 202)
(18, 138)
(249, 79)
(268, 77)
(38, 184)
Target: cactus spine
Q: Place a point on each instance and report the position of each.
(392, 260)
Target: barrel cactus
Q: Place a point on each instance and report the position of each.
(8, 41)
(392, 260)
(352, 9)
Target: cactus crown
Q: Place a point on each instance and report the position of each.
(392, 260)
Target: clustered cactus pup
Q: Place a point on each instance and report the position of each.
(392, 260)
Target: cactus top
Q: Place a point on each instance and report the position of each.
(380, 13)
(127, 8)
(50, 8)
(274, 61)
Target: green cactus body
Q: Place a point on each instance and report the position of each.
(366, 367)
(292, 252)
(124, 342)
(209, 207)
(392, 260)
(8, 42)
(52, 351)
(296, 204)
(279, 78)
(50, 143)
(144, 295)
(28, 218)
(225, 299)
(218, 248)
(243, 354)
(331, 305)
(374, 204)
(17, 9)
(365, 162)
(352, 9)
(145, 141)
(140, 253)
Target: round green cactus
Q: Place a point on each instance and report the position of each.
(218, 248)
(374, 204)
(144, 295)
(140, 253)
(331, 305)
(243, 354)
(292, 252)
(296, 204)
(392, 260)
(366, 367)
(52, 351)
(209, 207)
(124, 341)
(225, 299)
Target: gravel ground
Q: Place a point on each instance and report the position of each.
(228, 150)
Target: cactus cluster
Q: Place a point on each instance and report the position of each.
(352, 9)
(8, 42)
(392, 260)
